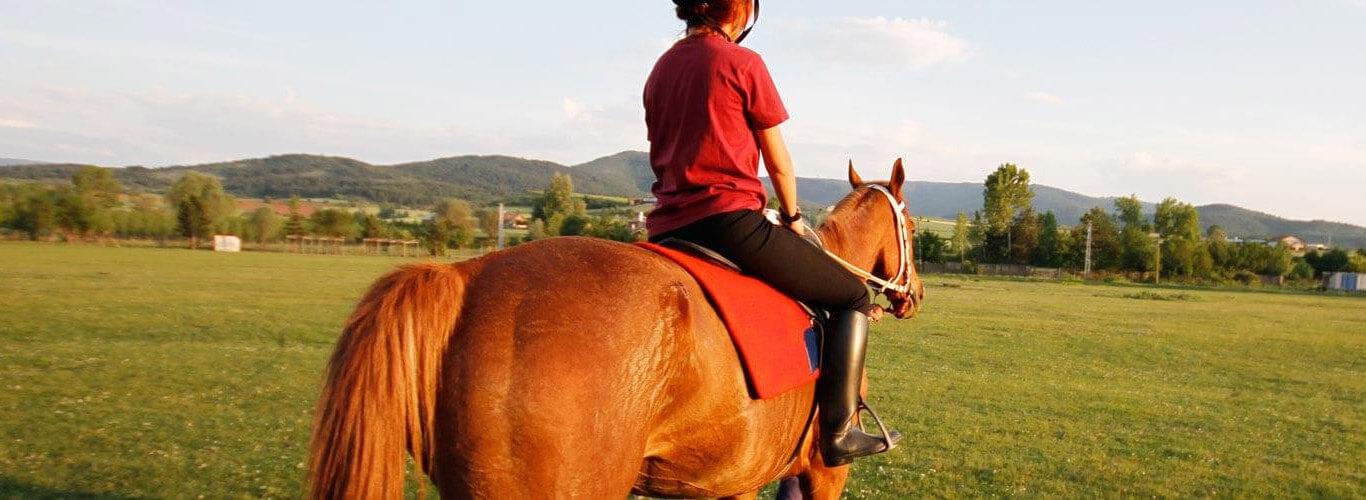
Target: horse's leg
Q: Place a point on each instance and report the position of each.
(790, 489)
(822, 483)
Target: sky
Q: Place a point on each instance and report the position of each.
(1260, 104)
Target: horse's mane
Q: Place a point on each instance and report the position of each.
(849, 202)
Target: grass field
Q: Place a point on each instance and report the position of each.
(170, 373)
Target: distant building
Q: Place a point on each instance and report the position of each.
(1350, 282)
(638, 222)
(1294, 243)
(225, 243)
(515, 220)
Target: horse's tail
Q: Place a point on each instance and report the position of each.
(379, 397)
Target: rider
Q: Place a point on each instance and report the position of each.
(711, 108)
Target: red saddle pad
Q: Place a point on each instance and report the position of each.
(771, 331)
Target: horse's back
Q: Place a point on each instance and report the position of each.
(586, 367)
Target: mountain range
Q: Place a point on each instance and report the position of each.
(485, 179)
(5, 162)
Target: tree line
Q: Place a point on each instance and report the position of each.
(1125, 239)
(195, 207)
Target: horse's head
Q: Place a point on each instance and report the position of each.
(872, 229)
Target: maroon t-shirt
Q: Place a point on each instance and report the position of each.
(705, 101)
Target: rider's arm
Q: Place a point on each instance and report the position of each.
(780, 171)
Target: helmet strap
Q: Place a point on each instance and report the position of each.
(744, 34)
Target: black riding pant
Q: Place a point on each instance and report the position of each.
(779, 257)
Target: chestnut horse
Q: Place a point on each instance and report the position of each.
(575, 367)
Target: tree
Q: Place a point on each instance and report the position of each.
(36, 213)
(201, 205)
(1051, 251)
(98, 184)
(489, 223)
(1024, 237)
(373, 227)
(960, 239)
(930, 247)
(265, 225)
(1357, 263)
(977, 237)
(452, 225)
(611, 228)
(1006, 194)
(294, 224)
(575, 225)
(1129, 212)
(148, 218)
(536, 231)
(1105, 245)
(1302, 271)
(558, 204)
(334, 223)
(1330, 261)
(1182, 251)
(1138, 248)
(1217, 246)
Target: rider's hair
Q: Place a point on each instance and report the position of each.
(711, 14)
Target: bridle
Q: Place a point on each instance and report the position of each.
(901, 282)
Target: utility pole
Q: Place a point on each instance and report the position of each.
(1157, 274)
(1087, 272)
(500, 226)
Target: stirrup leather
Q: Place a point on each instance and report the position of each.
(886, 434)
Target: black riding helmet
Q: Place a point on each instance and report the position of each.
(743, 34)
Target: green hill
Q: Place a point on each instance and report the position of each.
(485, 179)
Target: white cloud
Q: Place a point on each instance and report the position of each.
(158, 127)
(15, 122)
(143, 52)
(876, 41)
(572, 109)
(1044, 97)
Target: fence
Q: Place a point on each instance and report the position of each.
(993, 270)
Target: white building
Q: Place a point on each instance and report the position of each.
(226, 243)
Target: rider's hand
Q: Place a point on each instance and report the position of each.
(798, 227)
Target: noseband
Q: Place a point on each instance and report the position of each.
(901, 283)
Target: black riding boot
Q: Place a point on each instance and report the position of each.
(837, 392)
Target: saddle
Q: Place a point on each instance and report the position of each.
(818, 315)
(778, 338)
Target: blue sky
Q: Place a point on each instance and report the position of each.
(1255, 103)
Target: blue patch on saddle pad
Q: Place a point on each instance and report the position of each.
(813, 347)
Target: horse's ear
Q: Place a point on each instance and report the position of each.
(898, 179)
(854, 180)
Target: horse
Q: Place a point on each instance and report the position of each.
(577, 367)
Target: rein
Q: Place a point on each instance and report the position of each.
(901, 283)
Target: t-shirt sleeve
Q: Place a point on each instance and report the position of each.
(763, 106)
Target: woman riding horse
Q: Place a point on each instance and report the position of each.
(712, 108)
(581, 367)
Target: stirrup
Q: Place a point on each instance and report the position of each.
(886, 434)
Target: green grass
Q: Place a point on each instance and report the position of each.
(169, 373)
